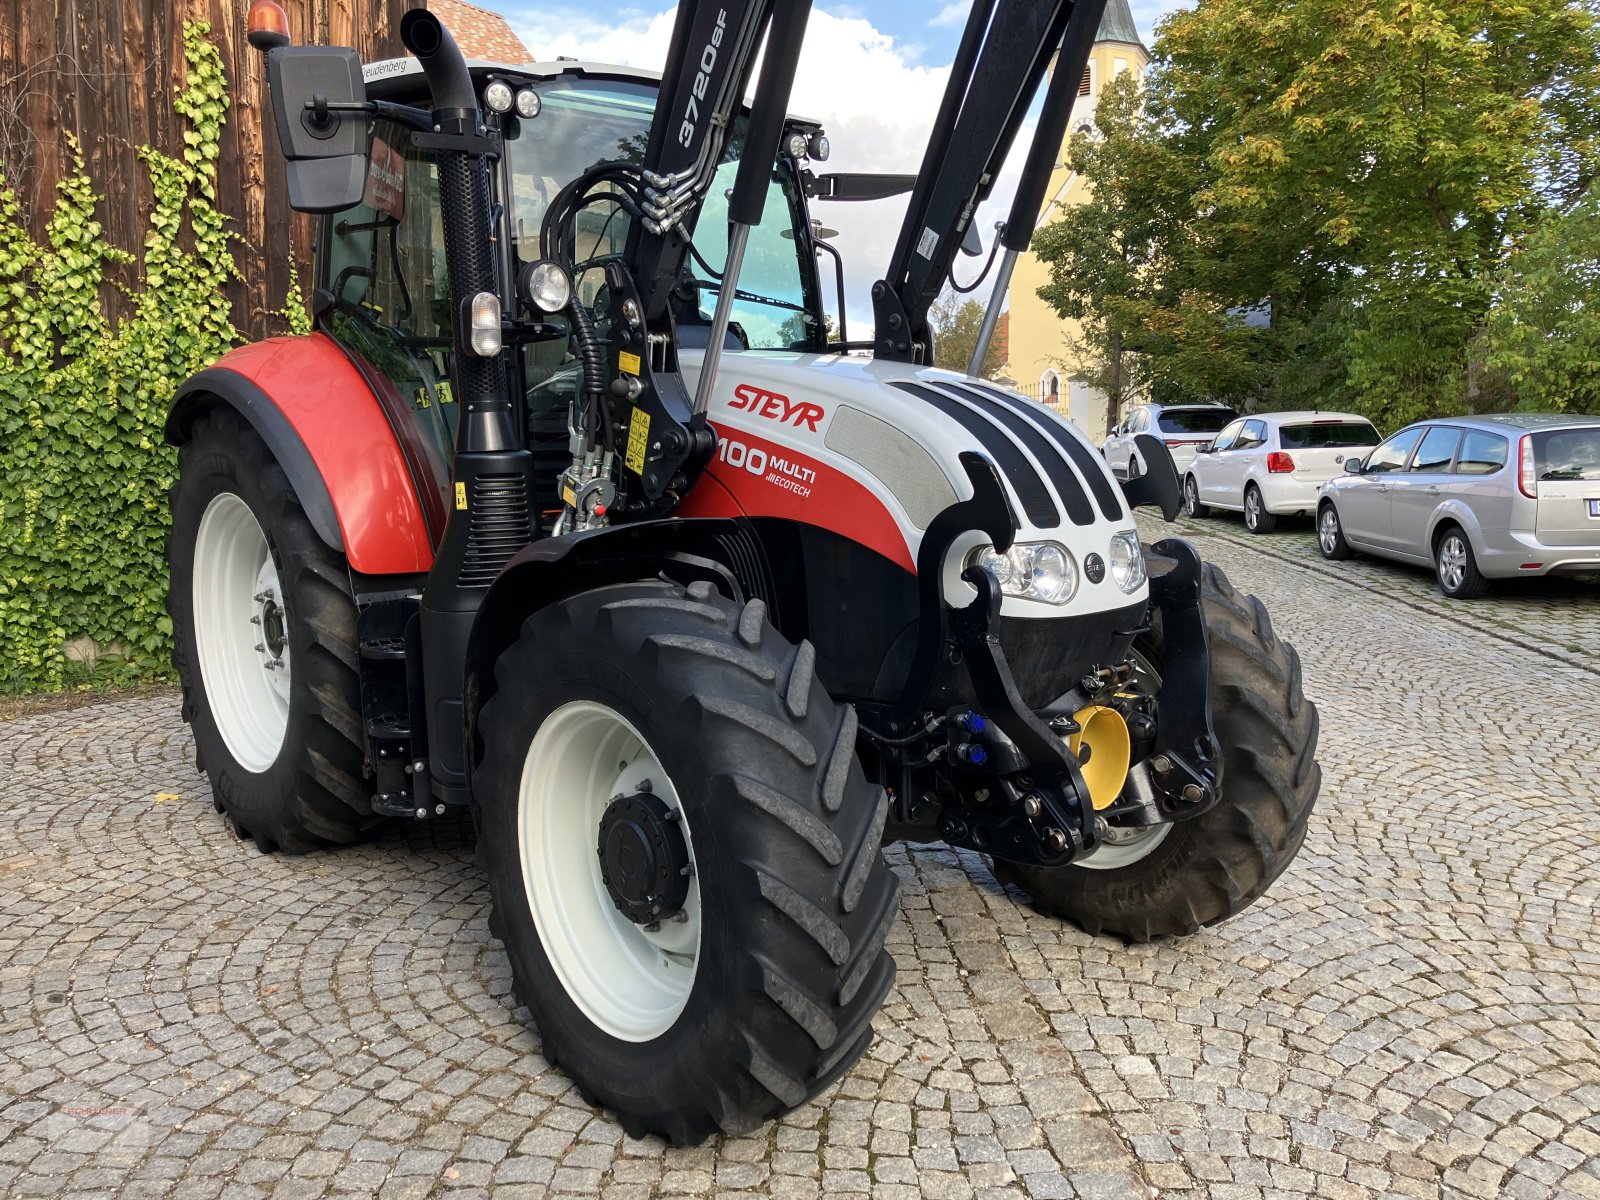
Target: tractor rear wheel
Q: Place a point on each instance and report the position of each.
(265, 645)
(1173, 879)
(684, 858)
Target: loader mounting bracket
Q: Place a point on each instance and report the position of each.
(1185, 763)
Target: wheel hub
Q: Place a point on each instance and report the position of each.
(273, 636)
(644, 860)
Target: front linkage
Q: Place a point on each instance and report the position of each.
(1000, 777)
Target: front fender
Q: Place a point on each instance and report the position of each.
(324, 426)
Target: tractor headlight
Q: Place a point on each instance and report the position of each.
(1043, 571)
(799, 143)
(485, 325)
(545, 285)
(820, 147)
(1127, 561)
(528, 104)
(498, 97)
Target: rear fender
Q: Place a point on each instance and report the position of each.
(552, 569)
(327, 431)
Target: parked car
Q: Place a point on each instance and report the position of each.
(1479, 498)
(1183, 427)
(1271, 464)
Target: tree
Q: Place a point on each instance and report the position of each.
(1544, 331)
(956, 324)
(1354, 171)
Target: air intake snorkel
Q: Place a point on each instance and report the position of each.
(454, 102)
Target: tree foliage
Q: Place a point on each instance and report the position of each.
(1356, 172)
(84, 470)
(956, 323)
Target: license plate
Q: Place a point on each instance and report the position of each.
(1594, 508)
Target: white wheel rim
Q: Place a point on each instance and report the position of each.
(1122, 847)
(1192, 494)
(1452, 562)
(1330, 530)
(631, 982)
(240, 632)
(1252, 508)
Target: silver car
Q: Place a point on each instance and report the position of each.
(1479, 498)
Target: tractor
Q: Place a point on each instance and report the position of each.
(572, 511)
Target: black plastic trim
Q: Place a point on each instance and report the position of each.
(1082, 457)
(1062, 475)
(267, 419)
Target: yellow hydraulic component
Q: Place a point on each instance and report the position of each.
(1105, 768)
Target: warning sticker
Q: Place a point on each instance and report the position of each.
(927, 243)
(628, 362)
(638, 440)
(386, 180)
(461, 496)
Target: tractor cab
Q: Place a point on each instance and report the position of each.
(382, 285)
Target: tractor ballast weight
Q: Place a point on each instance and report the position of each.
(694, 609)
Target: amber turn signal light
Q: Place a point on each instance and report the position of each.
(267, 25)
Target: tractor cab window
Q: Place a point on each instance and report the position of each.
(772, 306)
(383, 263)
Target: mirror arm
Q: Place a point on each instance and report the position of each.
(419, 119)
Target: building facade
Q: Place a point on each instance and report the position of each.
(1041, 359)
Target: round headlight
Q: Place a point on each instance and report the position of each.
(820, 147)
(1004, 568)
(1052, 574)
(528, 104)
(545, 285)
(1127, 561)
(798, 145)
(497, 97)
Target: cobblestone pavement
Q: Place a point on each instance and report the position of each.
(1414, 1010)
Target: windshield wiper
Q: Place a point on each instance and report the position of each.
(740, 294)
(1562, 474)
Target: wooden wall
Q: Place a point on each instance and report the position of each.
(107, 70)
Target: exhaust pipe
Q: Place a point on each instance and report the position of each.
(443, 67)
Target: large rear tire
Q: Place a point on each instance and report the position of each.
(264, 632)
(1177, 878)
(753, 989)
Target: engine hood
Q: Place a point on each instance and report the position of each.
(872, 450)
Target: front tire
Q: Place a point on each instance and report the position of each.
(1330, 535)
(1191, 499)
(1205, 870)
(265, 645)
(779, 953)
(1256, 517)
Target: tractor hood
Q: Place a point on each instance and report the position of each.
(871, 449)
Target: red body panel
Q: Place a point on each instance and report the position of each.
(753, 477)
(337, 417)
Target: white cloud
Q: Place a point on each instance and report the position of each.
(874, 97)
(952, 14)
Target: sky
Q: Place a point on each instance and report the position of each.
(872, 71)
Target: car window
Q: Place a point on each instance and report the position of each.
(1226, 438)
(1482, 453)
(1392, 455)
(1437, 450)
(1327, 434)
(1254, 434)
(1193, 420)
(1141, 421)
(1567, 454)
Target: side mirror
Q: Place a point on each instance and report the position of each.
(1353, 466)
(972, 241)
(318, 101)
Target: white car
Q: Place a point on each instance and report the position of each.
(1183, 427)
(1271, 464)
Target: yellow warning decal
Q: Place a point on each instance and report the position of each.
(461, 497)
(446, 396)
(638, 438)
(569, 497)
(629, 362)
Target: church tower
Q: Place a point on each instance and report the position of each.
(1039, 359)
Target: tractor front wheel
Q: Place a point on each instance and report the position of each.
(265, 633)
(684, 858)
(1173, 879)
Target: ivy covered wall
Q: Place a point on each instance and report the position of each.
(84, 472)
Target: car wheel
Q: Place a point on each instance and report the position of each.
(1330, 534)
(1456, 567)
(1256, 517)
(1191, 499)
